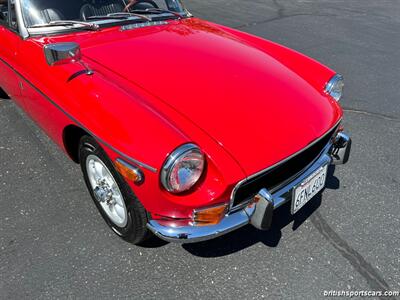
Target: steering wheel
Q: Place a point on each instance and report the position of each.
(144, 4)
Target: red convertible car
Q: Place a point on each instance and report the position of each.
(183, 128)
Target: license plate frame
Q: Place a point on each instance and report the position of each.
(308, 188)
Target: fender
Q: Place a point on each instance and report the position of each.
(100, 107)
(107, 107)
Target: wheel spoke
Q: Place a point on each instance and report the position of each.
(92, 174)
(120, 211)
(114, 188)
(107, 209)
(109, 179)
(99, 169)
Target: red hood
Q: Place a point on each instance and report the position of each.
(255, 107)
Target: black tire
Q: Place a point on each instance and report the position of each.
(3, 94)
(135, 230)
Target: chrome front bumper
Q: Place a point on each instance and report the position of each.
(259, 215)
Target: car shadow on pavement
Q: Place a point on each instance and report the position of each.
(332, 182)
(248, 236)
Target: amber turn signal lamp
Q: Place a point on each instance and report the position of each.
(210, 216)
(129, 172)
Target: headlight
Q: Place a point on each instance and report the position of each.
(335, 87)
(182, 169)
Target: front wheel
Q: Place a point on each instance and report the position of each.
(112, 196)
(3, 94)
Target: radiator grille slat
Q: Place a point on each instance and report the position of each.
(273, 178)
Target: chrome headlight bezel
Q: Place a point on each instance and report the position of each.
(334, 87)
(173, 161)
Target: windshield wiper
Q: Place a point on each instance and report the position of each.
(130, 14)
(107, 18)
(156, 11)
(118, 16)
(85, 25)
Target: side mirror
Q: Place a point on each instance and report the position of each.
(62, 53)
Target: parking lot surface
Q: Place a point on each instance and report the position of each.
(54, 244)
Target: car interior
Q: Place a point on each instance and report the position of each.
(45, 11)
(7, 14)
(104, 7)
(3, 10)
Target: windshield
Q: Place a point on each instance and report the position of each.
(51, 12)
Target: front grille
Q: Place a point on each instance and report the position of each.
(282, 173)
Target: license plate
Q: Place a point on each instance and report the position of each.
(308, 188)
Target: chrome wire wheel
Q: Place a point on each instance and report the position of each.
(106, 191)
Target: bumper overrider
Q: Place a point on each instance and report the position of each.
(258, 213)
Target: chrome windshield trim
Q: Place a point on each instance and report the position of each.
(237, 186)
(20, 20)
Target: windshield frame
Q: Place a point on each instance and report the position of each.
(27, 32)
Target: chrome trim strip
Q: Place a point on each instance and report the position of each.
(275, 165)
(137, 162)
(142, 25)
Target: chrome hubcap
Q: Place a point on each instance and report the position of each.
(106, 191)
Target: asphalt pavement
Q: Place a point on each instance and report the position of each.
(54, 244)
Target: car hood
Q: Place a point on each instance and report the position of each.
(255, 107)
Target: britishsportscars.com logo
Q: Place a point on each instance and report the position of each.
(351, 294)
